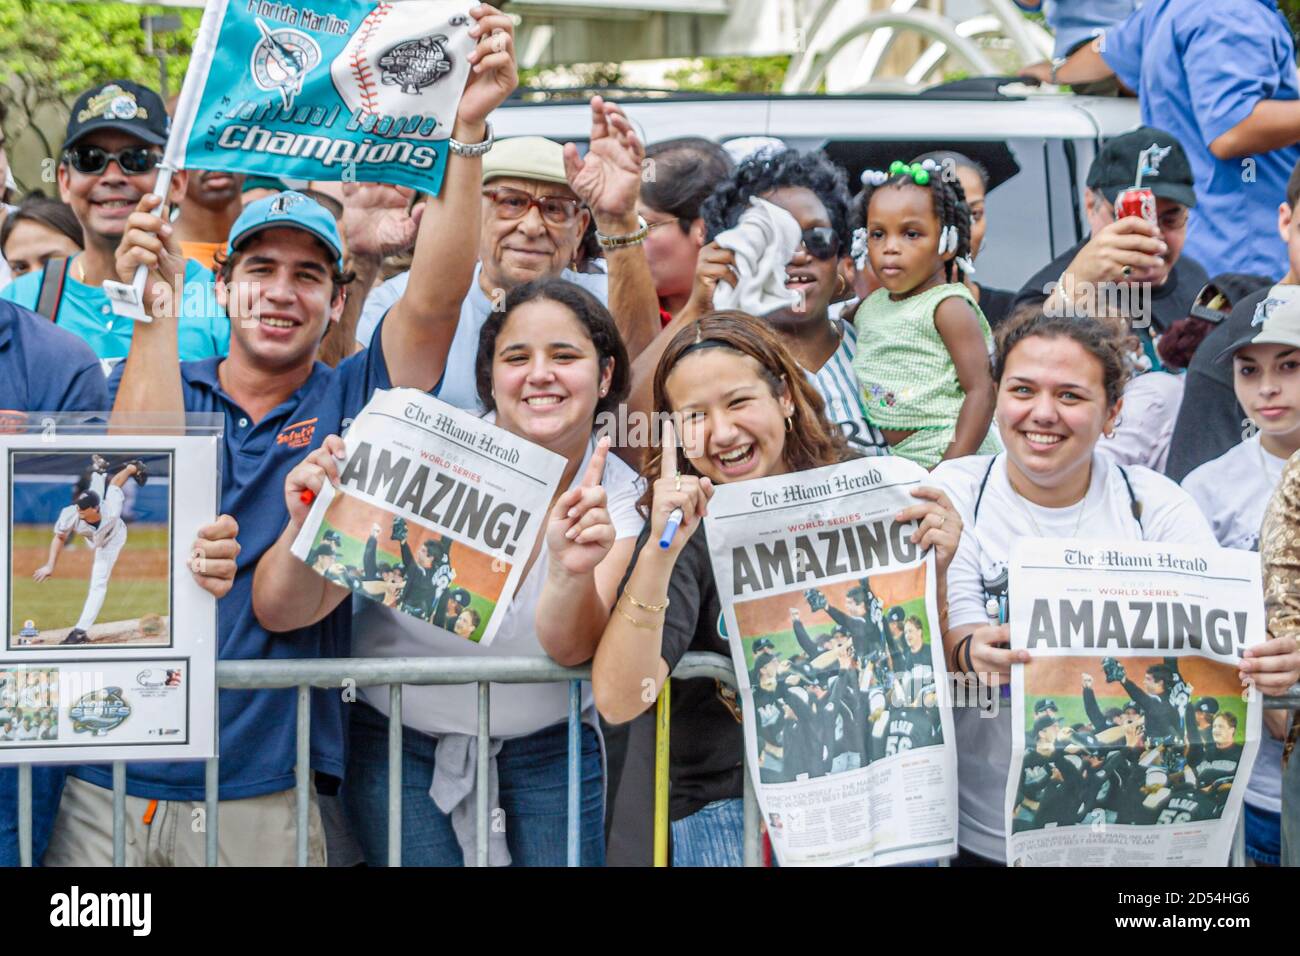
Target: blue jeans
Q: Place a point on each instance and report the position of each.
(47, 788)
(1263, 835)
(714, 835)
(533, 784)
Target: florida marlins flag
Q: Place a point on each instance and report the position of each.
(325, 89)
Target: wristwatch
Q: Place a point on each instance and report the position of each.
(1057, 63)
(636, 237)
(470, 150)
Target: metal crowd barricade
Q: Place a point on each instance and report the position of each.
(340, 673)
(335, 674)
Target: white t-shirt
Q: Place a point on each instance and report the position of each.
(517, 709)
(1232, 491)
(979, 569)
(458, 386)
(1146, 422)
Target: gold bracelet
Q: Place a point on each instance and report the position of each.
(634, 622)
(646, 607)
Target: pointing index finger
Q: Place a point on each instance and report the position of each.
(668, 450)
(596, 467)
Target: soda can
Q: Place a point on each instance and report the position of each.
(1137, 202)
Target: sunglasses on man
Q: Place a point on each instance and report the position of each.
(93, 160)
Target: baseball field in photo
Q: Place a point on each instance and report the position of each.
(135, 583)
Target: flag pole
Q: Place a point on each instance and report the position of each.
(127, 299)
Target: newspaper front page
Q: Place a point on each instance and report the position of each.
(436, 513)
(831, 617)
(1135, 738)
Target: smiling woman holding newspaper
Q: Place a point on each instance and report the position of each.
(1059, 387)
(746, 411)
(547, 366)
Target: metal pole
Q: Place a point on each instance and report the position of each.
(574, 755)
(303, 769)
(211, 801)
(25, 814)
(394, 774)
(663, 711)
(119, 813)
(481, 786)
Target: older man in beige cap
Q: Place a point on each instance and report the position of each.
(538, 199)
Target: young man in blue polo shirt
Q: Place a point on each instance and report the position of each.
(42, 369)
(1221, 77)
(281, 282)
(109, 160)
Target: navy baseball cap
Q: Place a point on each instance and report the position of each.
(120, 105)
(762, 644)
(896, 615)
(1207, 705)
(1168, 172)
(1046, 703)
(1043, 722)
(290, 210)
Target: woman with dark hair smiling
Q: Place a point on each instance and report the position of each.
(745, 411)
(1060, 382)
(547, 364)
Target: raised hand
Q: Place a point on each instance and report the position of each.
(375, 219)
(493, 75)
(608, 177)
(674, 490)
(713, 265)
(148, 241)
(579, 532)
(310, 475)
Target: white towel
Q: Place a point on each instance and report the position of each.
(764, 241)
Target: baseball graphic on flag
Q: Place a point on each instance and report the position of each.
(405, 62)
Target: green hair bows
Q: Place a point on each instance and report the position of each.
(919, 172)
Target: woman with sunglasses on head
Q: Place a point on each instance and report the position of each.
(746, 411)
(1060, 382)
(812, 189)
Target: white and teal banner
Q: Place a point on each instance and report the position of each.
(325, 89)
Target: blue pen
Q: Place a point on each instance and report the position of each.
(670, 529)
(993, 608)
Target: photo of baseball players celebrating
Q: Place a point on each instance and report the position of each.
(1165, 751)
(101, 575)
(844, 682)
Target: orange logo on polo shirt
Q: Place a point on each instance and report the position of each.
(297, 435)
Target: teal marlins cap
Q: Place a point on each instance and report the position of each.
(289, 210)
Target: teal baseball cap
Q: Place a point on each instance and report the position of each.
(288, 210)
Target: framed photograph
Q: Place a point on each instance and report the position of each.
(110, 643)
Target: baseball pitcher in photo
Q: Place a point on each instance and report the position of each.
(96, 516)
